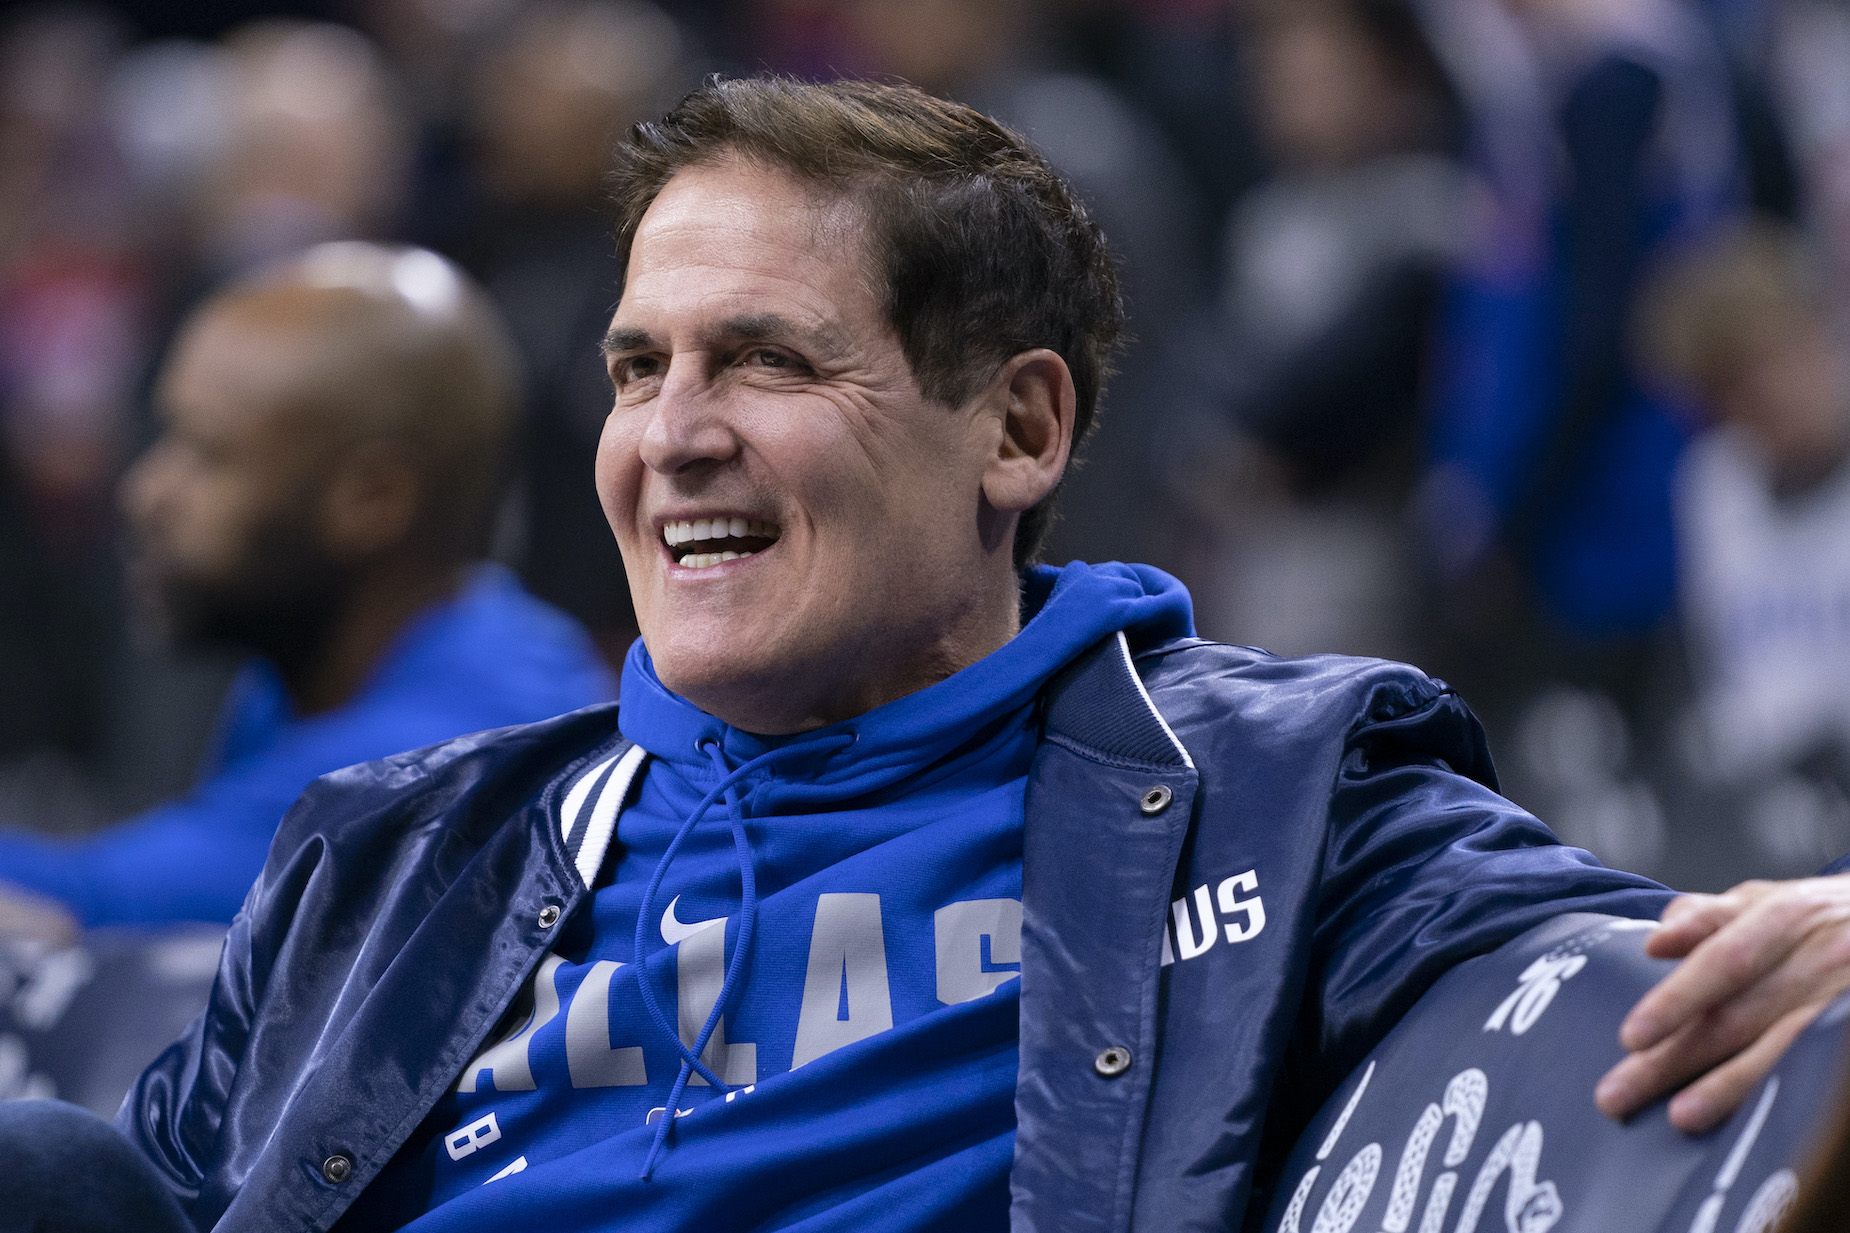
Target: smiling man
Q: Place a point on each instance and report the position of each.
(745, 953)
(792, 505)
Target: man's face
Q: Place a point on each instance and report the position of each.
(761, 388)
(1792, 396)
(222, 505)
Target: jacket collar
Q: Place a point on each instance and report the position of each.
(1099, 703)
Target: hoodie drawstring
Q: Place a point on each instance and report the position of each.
(748, 919)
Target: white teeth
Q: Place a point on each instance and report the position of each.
(701, 560)
(677, 533)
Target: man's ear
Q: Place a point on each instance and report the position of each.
(1035, 392)
(370, 503)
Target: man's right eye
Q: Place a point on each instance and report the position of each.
(633, 368)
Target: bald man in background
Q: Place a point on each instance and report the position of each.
(332, 452)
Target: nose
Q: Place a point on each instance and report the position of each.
(690, 426)
(145, 485)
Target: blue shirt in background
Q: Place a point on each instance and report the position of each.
(492, 656)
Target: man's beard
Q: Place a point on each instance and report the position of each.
(281, 602)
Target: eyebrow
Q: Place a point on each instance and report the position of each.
(750, 327)
(626, 338)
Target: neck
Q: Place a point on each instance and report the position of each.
(375, 610)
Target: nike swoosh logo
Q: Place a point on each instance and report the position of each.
(674, 930)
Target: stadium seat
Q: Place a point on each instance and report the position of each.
(1476, 1113)
(80, 1023)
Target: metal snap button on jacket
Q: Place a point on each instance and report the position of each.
(549, 916)
(337, 1169)
(1115, 1060)
(1156, 800)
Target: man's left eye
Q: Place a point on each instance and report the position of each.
(771, 359)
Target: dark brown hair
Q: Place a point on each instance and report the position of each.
(983, 250)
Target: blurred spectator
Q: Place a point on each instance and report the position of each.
(1314, 352)
(72, 301)
(321, 493)
(1179, 61)
(1810, 47)
(432, 42)
(317, 148)
(999, 56)
(281, 134)
(433, 45)
(545, 108)
(1605, 128)
(1763, 526)
(1333, 263)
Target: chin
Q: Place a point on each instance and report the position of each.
(697, 668)
(748, 684)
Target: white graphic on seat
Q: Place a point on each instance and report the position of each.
(1464, 1101)
(1294, 1211)
(1769, 1204)
(1541, 980)
(1535, 989)
(1529, 1206)
(1711, 1210)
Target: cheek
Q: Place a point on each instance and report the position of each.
(881, 471)
(212, 528)
(617, 473)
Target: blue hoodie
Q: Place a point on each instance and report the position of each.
(858, 1006)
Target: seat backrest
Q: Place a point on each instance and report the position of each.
(80, 1023)
(1476, 1113)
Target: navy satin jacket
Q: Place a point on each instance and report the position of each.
(1239, 871)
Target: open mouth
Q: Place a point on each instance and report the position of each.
(702, 542)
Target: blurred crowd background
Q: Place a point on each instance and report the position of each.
(1503, 336)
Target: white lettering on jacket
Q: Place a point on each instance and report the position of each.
(1241, 918)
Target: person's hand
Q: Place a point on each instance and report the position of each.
(1759, 963)
(36, 918)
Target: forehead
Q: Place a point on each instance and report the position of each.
(735, 236)
(234, 373)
